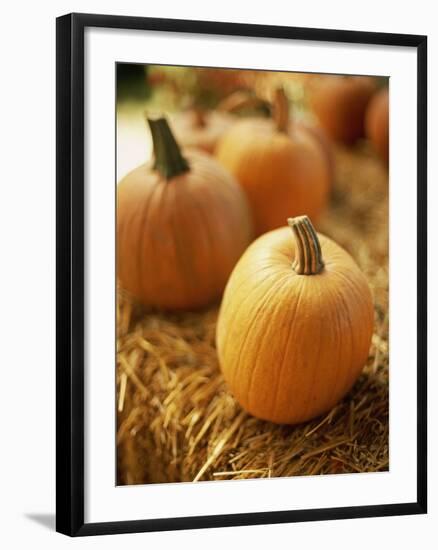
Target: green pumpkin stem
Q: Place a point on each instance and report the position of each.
(308, 260)
(169, 161)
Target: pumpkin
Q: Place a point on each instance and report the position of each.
(197, 127)
(295, 325)
(200, 129)
(280, 166)
(339, 103)
(377, 123)
(182, 224)
(222, 82)
(325, 144)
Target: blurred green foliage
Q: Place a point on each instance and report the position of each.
(132, 83)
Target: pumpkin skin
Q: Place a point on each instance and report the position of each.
(340, 102)
(326, 147)
(291, 345)
(282, 172)
(179, 237)
(200, 130)
(377, 123)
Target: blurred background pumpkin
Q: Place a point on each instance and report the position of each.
(182, 224)
(340, 102)
(283, 169)
(377, 123)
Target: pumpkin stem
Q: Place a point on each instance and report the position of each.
(308, 260)
(241, 101)
(281, 110)
(169, 161)
(199, 117)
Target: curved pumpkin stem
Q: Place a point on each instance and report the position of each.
(199, 113)
(199, 116)
(281, 110)
(308, 261)
(169, 161)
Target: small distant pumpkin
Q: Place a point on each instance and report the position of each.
(295, 325)
(339, 103)
(377, 123)
(280, 166)
(182, 224)
(201, 129)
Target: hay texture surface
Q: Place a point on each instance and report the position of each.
(177, 420)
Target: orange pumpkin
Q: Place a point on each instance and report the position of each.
(295, 325)
(326, 147)
(196, 128)
(377, 123)
(182, 224)
(340, 102)
(280, 166)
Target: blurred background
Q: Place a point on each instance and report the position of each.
(202, 103)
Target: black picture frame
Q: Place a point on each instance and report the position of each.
(70, 272)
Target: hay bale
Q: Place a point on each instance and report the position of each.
(178, 422)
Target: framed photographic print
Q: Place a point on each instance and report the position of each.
(241, 274)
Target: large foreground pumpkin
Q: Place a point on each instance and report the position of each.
(280, 165)
(295, 325)
(182, 224)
